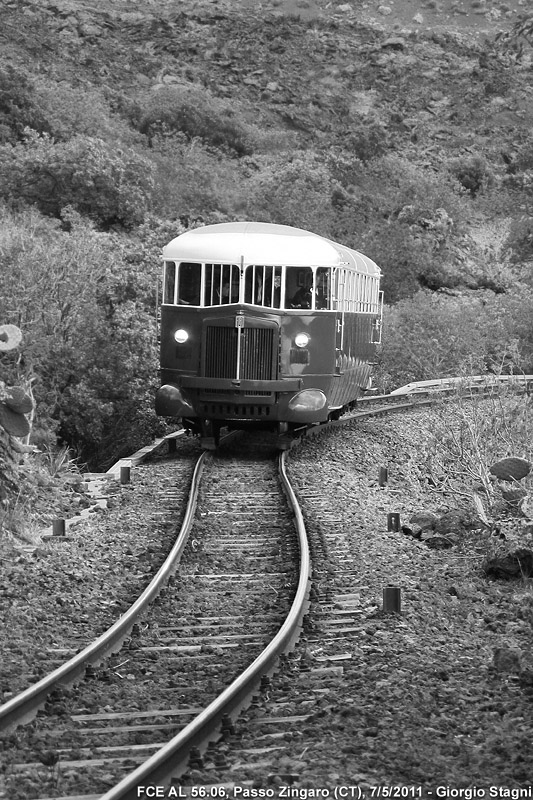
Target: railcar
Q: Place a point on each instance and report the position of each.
(264, 325)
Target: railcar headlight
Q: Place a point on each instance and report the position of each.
(302, 339)
(181, 336)
(307, 401)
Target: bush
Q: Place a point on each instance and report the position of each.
(433, 336)
(18, 106)
(296, 189)
(86, 302)
(193, 179)
(405, 218)
(406, 259)
(472, 173)
(367, 139)
(196, 113)
(111, 186)
(520, 242)
(67, 111)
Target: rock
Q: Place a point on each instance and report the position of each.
(385, 10)
(507, 660)
(511, 469)
(440, 542)
(514, 496)
(413, 530)
(394, 43)
(418, 18)
(516, 563)
(425, 520)
(454, 522)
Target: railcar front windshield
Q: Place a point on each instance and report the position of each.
(266, 285)
(270, 286)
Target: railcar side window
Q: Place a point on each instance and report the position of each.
(189, 280)
(323, 288)
(169, 282)
(263, 286)
(299, 287)
(222, 284)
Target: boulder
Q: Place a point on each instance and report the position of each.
(507, 660)
(425, 520)
(510, 469)
(393, 43)
(514, 496)
(413, 530)
(441, 542)
(455, 522)
(517, 563)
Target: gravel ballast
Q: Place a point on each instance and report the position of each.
(441, 694)
(437, 696)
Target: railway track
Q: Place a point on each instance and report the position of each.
(236, 580)
(227, 600)
(278, 742)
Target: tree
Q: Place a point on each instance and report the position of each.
(86, 304)
(297, 189)
(110, 186)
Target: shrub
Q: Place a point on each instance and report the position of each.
(433, 336)
(192, 178)
(111, 186)
(407, 260)
(296, 189)
(18, 106)
(196, 113)
(472, 173)
(67, 111)
(462, 443)
(520, 241)
(405, 218)
(86, 303)
(367, 139)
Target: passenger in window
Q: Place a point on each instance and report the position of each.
(273, 298)
(302, 298)
(277, 291)
(224, 294)
(230, 291)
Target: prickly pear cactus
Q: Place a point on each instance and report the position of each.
(15, 403)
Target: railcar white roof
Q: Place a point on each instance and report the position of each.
(264, 243)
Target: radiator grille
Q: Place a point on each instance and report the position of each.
(256, 353)
(223, 410)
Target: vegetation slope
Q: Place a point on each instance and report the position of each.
(403, 132)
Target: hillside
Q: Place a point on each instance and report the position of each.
(402, 129)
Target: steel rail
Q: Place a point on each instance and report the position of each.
(173, 758)
(24, 706)
(411, 400)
